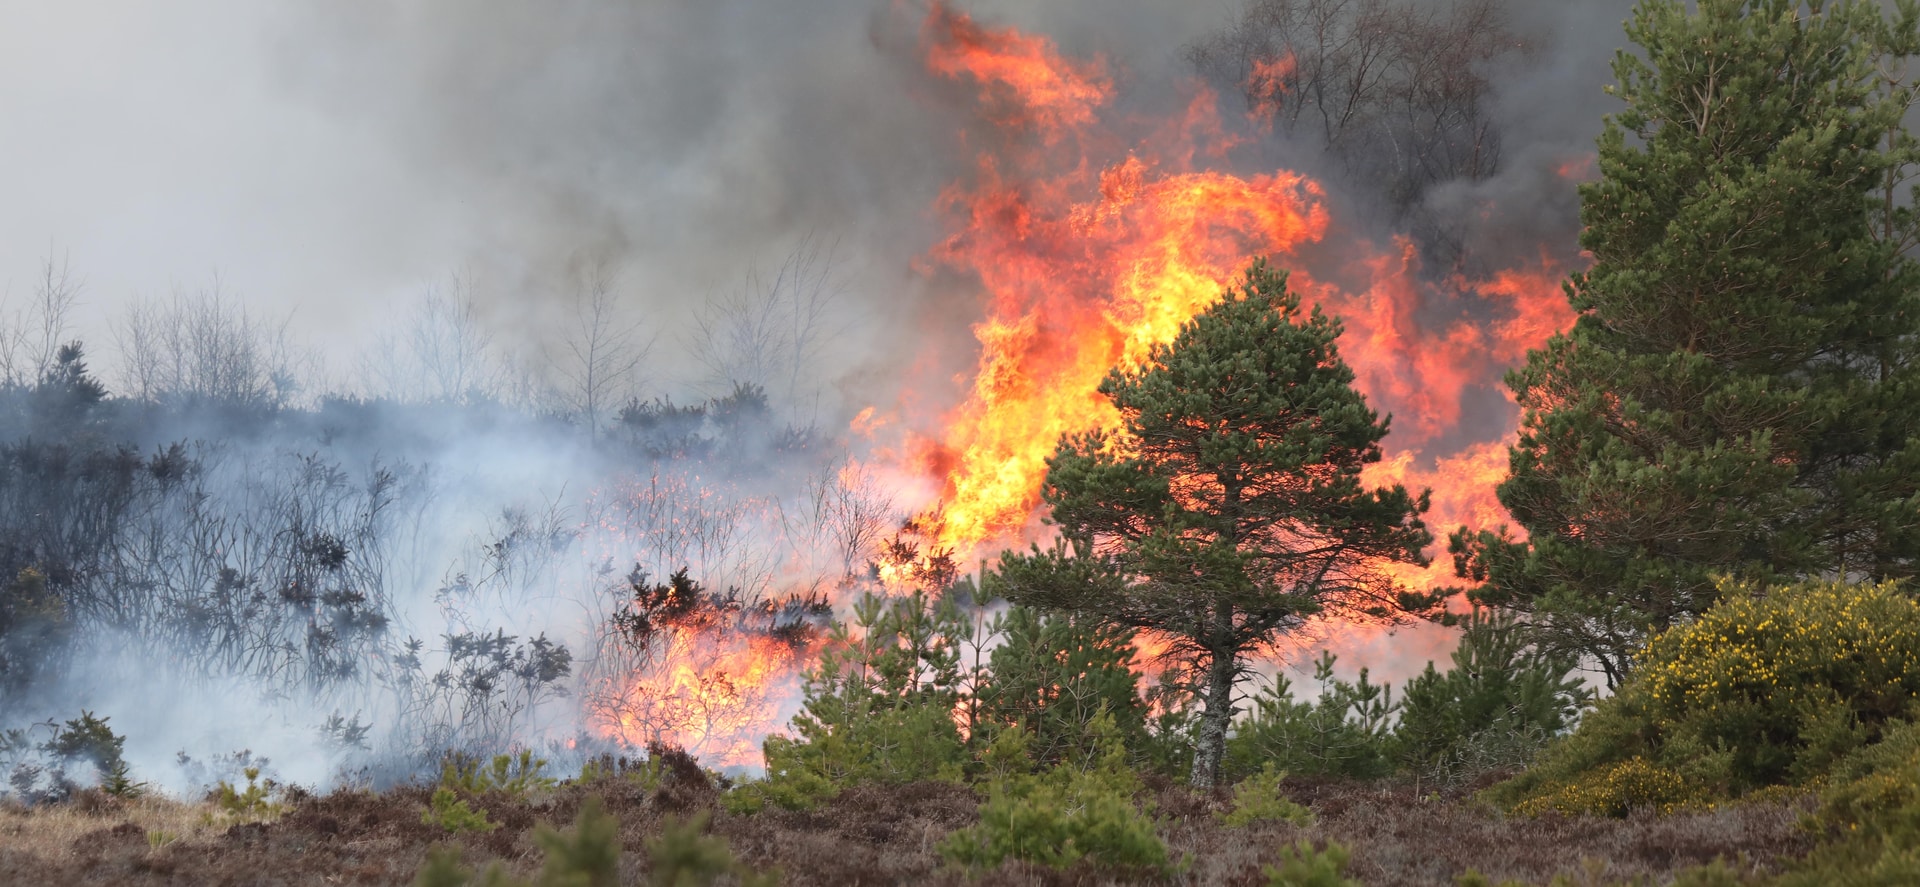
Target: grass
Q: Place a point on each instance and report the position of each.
(57, 836)
(874, 834)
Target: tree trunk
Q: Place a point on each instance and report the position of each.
(1213, 722)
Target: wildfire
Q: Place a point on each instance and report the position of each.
(1094, 236)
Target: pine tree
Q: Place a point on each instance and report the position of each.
(1738, 395)
(1227, 509)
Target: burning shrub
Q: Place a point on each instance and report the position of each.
(879, 707)
(680, 664)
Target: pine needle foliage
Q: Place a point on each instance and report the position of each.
(1740, 394)
(1227, 508)
(1258, 798)
(1303, 865)
(588, 855)
(1065, 814)
(254, 803)
(449, 811)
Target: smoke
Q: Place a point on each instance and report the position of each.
(329, 161)
(327, 158)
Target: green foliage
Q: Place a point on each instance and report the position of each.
(443, 869)
(34, 630)
(1173, 724)
(1473, 878)
(1766, 689)
(1870, 809)
(1258, 799)
(1616, 789)
(84, 740)
(1737, 394)
(514, 775)
(254, 803)
(879, 707)
(1303, 866)
(1066, 814)
(1227, 507)
(1052, 674)
(449, 811)
(1347, 731)
(1786, 681)
(588, 855)
(648, 772)
(1499, 704)
(88, 739)
(685, 856)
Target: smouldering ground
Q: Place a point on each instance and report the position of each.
(870, 835)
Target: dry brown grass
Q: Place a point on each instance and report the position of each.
(869, 835)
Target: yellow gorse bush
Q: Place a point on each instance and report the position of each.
(1768, 688)
(1632, 784)
(1861, 641)
(1785, 680)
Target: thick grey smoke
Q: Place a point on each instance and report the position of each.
(327, 159)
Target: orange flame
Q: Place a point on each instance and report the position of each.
(1090, 257)
(1265, 86)
(1093, 236)
(1023, 78)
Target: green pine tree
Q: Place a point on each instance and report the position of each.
(1738, 395)
(1228, 508)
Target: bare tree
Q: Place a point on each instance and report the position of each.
(1395, 90)
(770, 332)
(444, 354)
(204, 348)
(30, 340)
(841, 515)
(599, 356)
